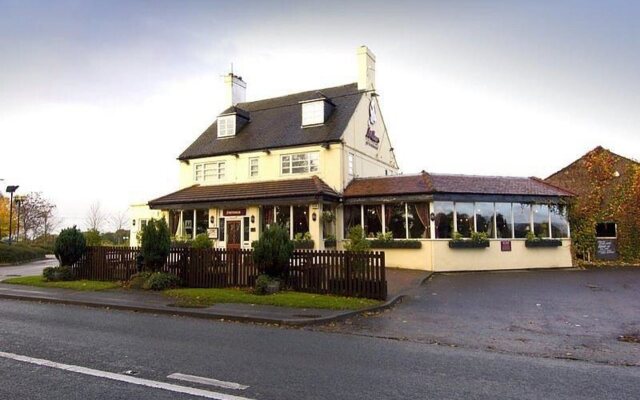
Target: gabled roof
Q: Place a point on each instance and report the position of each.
(277, 122)
(596, 151)
(428, 183)
(248, 192)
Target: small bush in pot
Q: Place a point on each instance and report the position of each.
(70, 246)
(273, 251)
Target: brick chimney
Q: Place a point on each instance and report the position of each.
(235, 90)
(366, 69)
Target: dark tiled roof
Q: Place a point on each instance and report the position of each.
(285, 188)
(276, 122)
(427, 183)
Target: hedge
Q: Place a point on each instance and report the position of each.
(19, 253)
(395, 244)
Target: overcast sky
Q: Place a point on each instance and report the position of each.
(97, 99)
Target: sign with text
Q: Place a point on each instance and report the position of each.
(505, 245)
(606, 249)
(237, 212)
(213, 233)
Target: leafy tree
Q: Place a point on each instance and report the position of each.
(202, 241)
(356, 240)
(155, 242)
(93, 238)
(70, 246)
(273, 251)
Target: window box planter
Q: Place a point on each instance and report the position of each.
(543, 243)
(303, 244)
(468, 244)
(330, 243)
(395, 244)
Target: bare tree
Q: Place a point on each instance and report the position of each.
(96, 217)
(120, 225)
(36, 215)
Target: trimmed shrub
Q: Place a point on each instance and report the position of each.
(137, 280)
(356, 240)
(20, 253)
(273, 251)
(262, 283)
(155, 243)
(70, 246)
(161, 281)
(54, 274)
(202, 241)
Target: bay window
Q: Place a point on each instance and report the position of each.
(464, 219)
(418, 221)
(504, 224)
(300, 219)
(541, 220)
(521, 220)
(351, 218)
(485, 218)
(443, 211)
(559, 221)
(395, 220)
(372, 220)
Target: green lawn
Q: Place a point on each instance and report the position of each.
(39, 281)
(207, 297)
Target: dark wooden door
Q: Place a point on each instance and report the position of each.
(233, 234)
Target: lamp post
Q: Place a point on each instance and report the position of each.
(19, 200)
(11, 190)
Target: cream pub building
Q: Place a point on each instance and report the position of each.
(321, 161)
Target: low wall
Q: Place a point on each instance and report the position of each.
(493, 258)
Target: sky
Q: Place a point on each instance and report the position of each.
(98, 99)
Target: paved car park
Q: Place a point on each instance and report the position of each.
(573, 314)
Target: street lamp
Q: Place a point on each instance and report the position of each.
(19, 200)
(11, 189)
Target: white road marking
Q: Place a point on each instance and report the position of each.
(207, 381)
(122, 378)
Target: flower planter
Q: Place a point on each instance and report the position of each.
(533, 244)
(468, 244)
(330, 243)
(303, 244)
(395, 244)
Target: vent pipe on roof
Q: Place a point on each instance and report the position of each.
(235, 90)
(366, 69)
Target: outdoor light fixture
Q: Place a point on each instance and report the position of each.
(212, 220)
(253, 219)
(133, 222)
(433, 216)
(314, 216)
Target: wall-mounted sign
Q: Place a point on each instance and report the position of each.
(188, 224)
(371, 139)
(505, 245)
(234, 212)
(606, 249)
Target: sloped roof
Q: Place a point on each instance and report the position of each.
(286, 188)
(428, 183)
(596, 151)
(277, 122)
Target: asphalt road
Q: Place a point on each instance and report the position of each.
(276, 363)
(32, 268)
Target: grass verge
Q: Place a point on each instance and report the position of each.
(84, 285)
(208, 297)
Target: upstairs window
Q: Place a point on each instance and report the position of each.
(253, 167)
(226, 126)
(313, 113)
(209, 171)
(350, 164)
(301, 163)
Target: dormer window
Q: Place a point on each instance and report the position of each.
(226, 126)
(313, 113)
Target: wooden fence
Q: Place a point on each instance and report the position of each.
(316, 271)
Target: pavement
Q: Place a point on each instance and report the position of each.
(151, 302)
(50, 351)
(569, 314)
(31, 268)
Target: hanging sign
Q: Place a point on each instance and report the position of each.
(234, 212)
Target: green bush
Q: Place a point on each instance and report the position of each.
(356, 241)
(55, 274)
(273, 251)
(70, 246)
(384, 237)
(137, 280)
(92, 237)
(20, 253)
(155, 243)
(202, 241)
(161, 281)
(262, 282)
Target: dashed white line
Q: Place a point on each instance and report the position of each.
(122, 378)
(207, 381)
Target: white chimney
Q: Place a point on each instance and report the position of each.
(366, 69)
(235, 90)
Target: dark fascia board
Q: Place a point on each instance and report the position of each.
(389, 199)
(499, 198)
(276, 201)
(262, 149)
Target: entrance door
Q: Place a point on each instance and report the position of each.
(233, 234)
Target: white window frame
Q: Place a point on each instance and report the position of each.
(209, 171)
(310, 163)
(313, 113)
(226, 126)
(254, 162)
(350, 164)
